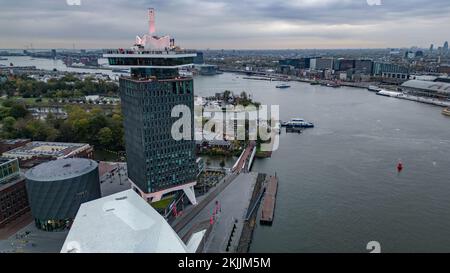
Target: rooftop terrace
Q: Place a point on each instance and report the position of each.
(149, 52)
(40, 148)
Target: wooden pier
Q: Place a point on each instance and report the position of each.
(268, 209)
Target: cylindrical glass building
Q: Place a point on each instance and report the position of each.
(56, 189)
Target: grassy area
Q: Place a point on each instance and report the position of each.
(163, 203)
(103, 155)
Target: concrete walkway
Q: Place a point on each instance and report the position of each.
(234, 201)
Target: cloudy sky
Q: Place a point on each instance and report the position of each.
(217, 24)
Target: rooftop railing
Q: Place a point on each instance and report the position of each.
(153, 52)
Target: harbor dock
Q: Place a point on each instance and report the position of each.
(268, 207)
(404, 96)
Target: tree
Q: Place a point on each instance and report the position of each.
(39, 130)
(4, 112)
(226, 95)
(8, 127)
(18, 111)
(105, 137)
(244, 95)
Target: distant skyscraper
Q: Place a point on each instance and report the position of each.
(431, 48)
(157, 163)
(445, 47)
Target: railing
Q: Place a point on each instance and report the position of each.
(154, 52)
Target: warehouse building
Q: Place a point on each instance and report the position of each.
(427, 88)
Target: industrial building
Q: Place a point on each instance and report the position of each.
(434, 89)
(57, 188)
(13, 193)
(157, 163)
(125, 223)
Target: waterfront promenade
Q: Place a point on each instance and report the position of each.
(202, 201)
(233, 195)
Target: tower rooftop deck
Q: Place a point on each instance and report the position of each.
(154, 79)
(148, 53)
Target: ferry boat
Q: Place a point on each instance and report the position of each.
(297, 123)
(315, 83)
(446, 112)
(283, 86)
(373, 88)
(386, 93)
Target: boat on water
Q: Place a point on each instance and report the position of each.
(315, 83)
(283, 86)
(3, 59)
(185, 73)
(334, 85)
(297, 123)
(446, 112)
(392, 94)
(374, 88)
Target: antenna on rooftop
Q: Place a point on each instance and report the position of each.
(151, 20)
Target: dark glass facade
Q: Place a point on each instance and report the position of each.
(150, 61)
(299, 63)
(156, 161)
(56, 190)
(364, 66)
(345, 65)
(155, 73)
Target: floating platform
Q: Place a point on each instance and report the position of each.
(268, 209)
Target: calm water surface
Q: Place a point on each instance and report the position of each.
(338, 183)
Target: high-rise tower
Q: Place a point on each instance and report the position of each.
(157, 163)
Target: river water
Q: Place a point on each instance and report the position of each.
(338, 184)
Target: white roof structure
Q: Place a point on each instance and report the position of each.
(435, 87)
(124, 223)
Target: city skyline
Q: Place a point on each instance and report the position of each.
(248, 24)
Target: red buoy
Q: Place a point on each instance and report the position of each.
(399, 167)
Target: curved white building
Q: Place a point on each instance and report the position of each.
(124, 223)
